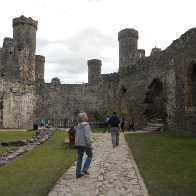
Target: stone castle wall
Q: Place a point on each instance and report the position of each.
(160, 87)
(18, 103)
(59, 102)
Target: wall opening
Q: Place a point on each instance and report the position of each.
(1, 110)
(122, 101)
(155, 103)
(190, 89)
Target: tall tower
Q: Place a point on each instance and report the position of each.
(94, 70)
(39, 68)
(127, 46)
(24, 32)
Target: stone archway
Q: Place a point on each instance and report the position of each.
(190, 89)
(155, 103)
(190, 96)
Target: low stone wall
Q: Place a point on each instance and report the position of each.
(27, 145)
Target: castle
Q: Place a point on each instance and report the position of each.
(159, 87)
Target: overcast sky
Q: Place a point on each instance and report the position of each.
(70, 32)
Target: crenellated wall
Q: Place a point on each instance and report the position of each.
(161, 87)
(24, 32)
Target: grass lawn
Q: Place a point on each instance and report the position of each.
(97, 130)
(38, 170)
(6, 136)
(167, 162)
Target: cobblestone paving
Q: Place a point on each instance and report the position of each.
(112, 173)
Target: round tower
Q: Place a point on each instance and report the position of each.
(94, 70)
(127, 46)
(39, 68)
(24, 32)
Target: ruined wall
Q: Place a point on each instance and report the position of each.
(137, 81)
(183, 59)
(17, 75)
(9, 60)
(154, 87)
(58, 102)
(19, 102)
(160, 87)
(125, 92)
(16, 66)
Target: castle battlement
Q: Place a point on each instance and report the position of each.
(23, 19)
(128, 33)
(9, 42)
(94, 62)
(94, 70)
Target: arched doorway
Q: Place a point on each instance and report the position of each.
(190, 89)
(155, 103)
(190, 96)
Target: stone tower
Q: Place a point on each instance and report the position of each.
(94, 70)
(39, 68)
(24, 32)
(127, 46)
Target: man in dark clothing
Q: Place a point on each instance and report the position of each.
(105, 121)
(131, 123)
(114, 123)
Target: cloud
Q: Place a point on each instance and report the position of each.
(67, 58)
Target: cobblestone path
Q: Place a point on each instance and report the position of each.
(112, 173)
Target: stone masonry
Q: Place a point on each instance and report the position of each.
(159, 87)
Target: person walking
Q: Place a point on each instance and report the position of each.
(83, 142)
(122, 123)
(131, 123)
(115, 129)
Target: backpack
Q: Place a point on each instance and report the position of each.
(114, 121)
(106, 120)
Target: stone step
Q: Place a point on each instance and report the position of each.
(154, 124)
(152, 129)
(156, 120)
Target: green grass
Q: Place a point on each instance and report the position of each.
(97, 130)
(167, 162)
(37, 171)
(6, 136)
